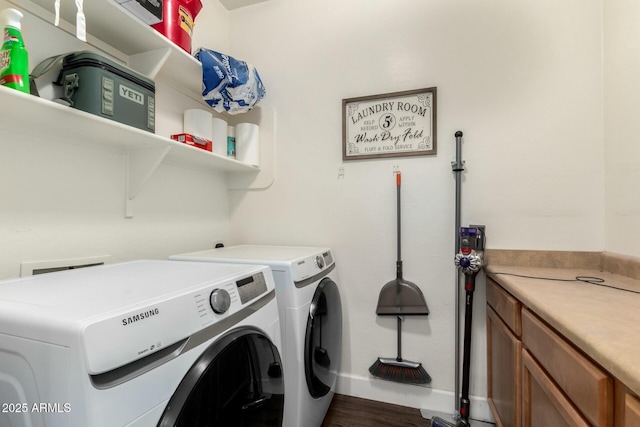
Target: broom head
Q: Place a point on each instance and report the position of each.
(401, 371)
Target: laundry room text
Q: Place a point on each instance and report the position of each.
(401, 124)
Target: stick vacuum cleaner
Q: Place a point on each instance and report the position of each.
(469, 261)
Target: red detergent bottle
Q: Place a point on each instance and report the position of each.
(178, 21)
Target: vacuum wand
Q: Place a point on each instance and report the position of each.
(469, 261)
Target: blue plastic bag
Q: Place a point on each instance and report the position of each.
(229, 84)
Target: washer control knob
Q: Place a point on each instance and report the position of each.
(320, 261)
(220, 301)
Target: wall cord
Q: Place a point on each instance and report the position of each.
(597, 281)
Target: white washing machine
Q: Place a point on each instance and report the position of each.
(310, 318)
(141, 344)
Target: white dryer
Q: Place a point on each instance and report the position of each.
(310, 318)
(141, 344)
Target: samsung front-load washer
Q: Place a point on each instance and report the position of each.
(141, 344)
(310, 318)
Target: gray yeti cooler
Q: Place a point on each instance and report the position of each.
(99, 86)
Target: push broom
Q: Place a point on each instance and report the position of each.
(400, 297)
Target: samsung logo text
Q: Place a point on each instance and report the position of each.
(140, 316)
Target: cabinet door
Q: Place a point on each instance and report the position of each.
(631, 411)
(627, 406)
(588, 387)
(505, 306)
(543, 403)
(503, 372)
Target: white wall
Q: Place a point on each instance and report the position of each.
(522, 80)
(60, 200)
(621, 124)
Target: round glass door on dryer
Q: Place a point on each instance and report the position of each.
(322, 347)
(237, 381)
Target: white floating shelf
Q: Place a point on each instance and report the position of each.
(111, 25)
(66, 124)
(145, 150)
(112, 29)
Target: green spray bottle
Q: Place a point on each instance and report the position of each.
(14, 59)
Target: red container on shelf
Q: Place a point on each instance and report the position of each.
(178, 21)
(194, 141)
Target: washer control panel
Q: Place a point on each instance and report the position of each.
(251, 287)
(229, 297)
(312, 265)
(327, 257)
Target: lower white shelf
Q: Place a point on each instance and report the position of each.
(44, 119)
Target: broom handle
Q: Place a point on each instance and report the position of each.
(399, 358)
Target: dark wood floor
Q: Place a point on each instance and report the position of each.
(347, 411)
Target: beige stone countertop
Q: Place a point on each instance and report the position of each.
(603, 322)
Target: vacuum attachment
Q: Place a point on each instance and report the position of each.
(470, 258)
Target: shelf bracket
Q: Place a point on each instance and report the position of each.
(141, 163)
(149, 63)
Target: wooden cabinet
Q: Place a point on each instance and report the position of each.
(505, 305)
(536, 377)
(585, 385)
(631, 411)
(627, 411)
(503, 371)
(543, 402)
(503, 359)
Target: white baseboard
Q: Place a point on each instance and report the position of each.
(427, 399)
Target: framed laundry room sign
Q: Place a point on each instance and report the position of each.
(389, 125)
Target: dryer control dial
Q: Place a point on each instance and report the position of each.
(220, 301)
(320, 262)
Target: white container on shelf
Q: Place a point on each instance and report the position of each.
(248, 143)
(197, 122)
(219, 129)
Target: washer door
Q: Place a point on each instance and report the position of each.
(323, 339)
(237, 381)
